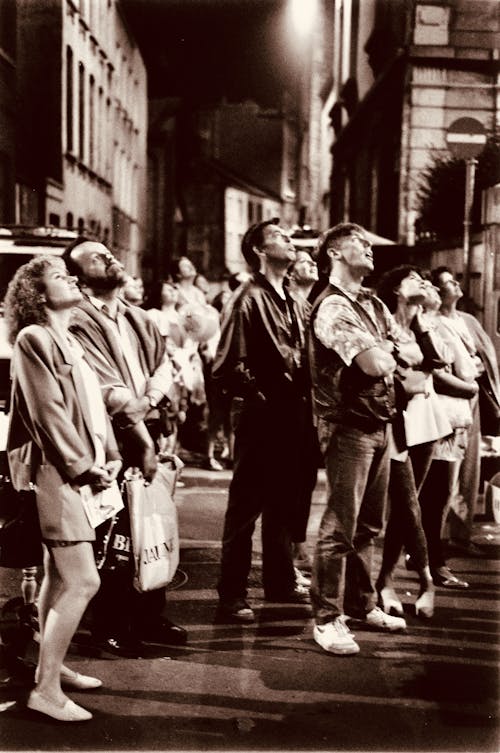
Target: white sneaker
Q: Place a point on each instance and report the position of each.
(336, 637)
(378, 619)
(301, 579)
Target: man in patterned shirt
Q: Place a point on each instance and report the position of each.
(352, 367)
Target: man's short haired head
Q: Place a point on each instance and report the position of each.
(254, 238)
(329, 239)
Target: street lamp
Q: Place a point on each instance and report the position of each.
(303, 14)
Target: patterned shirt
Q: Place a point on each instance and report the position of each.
(339, 327)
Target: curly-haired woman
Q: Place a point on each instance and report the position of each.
(60, 439)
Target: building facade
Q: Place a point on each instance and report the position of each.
(7, 110)
(82, 123)
(410, 70)
(212, 172)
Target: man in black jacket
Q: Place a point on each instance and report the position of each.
(260, 363)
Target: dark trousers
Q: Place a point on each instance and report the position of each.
(310, 461)
(268, 451)
(421, 459)
(404, 523)
(433, 501)
(118, 609)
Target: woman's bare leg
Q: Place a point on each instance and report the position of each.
(71, 581)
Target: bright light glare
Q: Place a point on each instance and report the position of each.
(303, 13)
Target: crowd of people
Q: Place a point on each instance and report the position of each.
(293, 365)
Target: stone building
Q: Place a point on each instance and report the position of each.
(413, 68)
(82, 122)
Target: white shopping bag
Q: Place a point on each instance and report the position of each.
(154, 529)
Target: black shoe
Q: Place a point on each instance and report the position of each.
(127, 649)
(442, 576)
(298, 595)
(236, 611)
(28, 616)
(165, 632)
(465, 548)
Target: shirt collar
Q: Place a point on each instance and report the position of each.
(99, 305)
(352, 294)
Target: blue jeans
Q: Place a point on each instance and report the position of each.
(357, 468)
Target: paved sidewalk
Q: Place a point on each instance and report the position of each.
(268, 686)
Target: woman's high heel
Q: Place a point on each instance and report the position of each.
(390, 602)
(424, 605)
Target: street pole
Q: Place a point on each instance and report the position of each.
(470, 172)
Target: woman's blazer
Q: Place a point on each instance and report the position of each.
(50, 439)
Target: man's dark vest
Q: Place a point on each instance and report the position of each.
(345, 394)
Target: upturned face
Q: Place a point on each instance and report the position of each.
(60, 289)
(432, 300)
(355, 251)
(99, 268)
(412, 288)
(449, 288)
(133, 291)
(169, 294)
(305, 269)
(187, 269)
(277, 245)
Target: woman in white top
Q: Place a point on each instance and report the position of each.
(419, 423)
(60, 439)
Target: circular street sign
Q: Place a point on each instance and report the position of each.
(466, 138)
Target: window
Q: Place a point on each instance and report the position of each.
(100, 130)
(81, 111)
(69, 99)
(69, 220)
(431, 25)
(54, 219)
(81, 226)
(8, 27)
(91, 122)
(107, 139)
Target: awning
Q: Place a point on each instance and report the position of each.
(378, 240)
(311, 243)
(9, 246)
